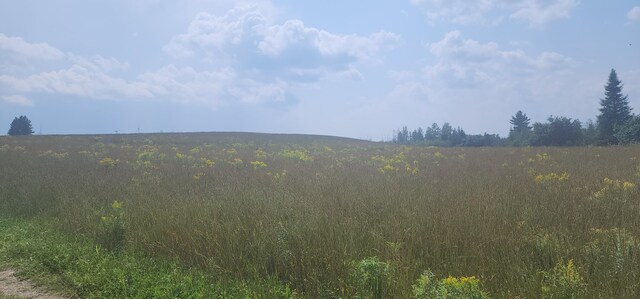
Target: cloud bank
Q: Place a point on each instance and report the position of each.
(634, 14)
(17, 100)
(244, 38)
(242, 56)
(18, 46)
(535, 12)
(467, 62)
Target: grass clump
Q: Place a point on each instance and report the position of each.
(77, 268)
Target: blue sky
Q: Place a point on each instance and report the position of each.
(347, 68)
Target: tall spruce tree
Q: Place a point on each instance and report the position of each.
(614, 110)
(20, 126)
(520, 122)
(520, 129)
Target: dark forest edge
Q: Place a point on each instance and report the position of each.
(615, 125)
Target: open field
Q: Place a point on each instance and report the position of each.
(332, 217)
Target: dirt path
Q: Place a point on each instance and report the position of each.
(10, 285)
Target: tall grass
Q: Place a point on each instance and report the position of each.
(312, 210)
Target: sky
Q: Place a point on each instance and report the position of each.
(347, 68)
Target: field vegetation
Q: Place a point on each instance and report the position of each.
(325, 217)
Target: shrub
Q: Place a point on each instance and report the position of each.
(563, 281)
(113, 227)
(373, 277)
(426, 287)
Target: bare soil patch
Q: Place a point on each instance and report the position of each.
(10, 285)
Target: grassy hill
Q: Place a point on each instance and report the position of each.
(336, 217)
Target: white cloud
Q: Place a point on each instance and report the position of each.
(105, 79)
(243, 56)
(185, 83)
(540, 12)
(17, 100)
(256, 92)
(79, 76)
(535, 12)
(453, 46)
(457, 11)
(169, 83)
(467, 62)
(634, 14)
(215, 33)
(245, 38)
(277, 39)
(492, 81)
(76, 80)
(99, 63)
(214, 88)
(18, 46)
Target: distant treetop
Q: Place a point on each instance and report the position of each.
(614, 110)
(20, 126)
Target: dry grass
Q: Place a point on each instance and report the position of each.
(310, 208)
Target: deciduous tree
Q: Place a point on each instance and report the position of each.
(559, 131)
(630, 131)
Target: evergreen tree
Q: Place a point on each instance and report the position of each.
(520, 122)
(520, 129)
(20, 126)
(614, 110)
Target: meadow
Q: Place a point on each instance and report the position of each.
(332, 217)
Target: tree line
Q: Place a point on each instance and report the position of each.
(445, 136)
(615, 125)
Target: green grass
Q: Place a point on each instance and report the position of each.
(341, 218)
(75, 267)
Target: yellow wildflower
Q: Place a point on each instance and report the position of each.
(209, 163)
(108, 162)
(236, 162)
(628, 185)
(258, 164)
